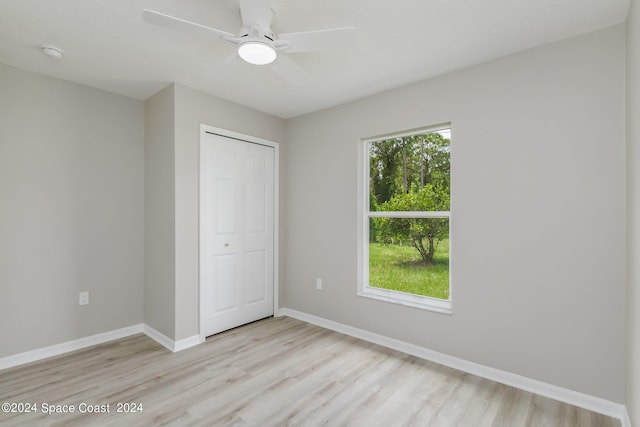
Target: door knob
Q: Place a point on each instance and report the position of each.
(226, 245)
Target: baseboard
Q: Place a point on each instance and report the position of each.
(65, 347)
(626, 421)
(591, 403)
(168, 343)
(158, 337)
(186, 343)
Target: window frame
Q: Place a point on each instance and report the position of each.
(364, 216)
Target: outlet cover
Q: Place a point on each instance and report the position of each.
(83, 298)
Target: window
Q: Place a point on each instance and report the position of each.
(404, 217)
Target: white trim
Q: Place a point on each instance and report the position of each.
(170, 344)
(159, 337)
(66, 347)
(429, 129)
(186, 343)
(410, 300)
(409, 214)
(362, 201)
(625, 420)
(276, 213)
(69, 346)
(591, 403)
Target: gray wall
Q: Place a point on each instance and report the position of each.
(193, 108)
(538, 213)
(71, 211)
(173, 119)
(633, 213)
(159, 213)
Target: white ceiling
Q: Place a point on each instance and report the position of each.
(107, 45)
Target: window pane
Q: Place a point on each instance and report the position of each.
(410, 173)
(410, 255)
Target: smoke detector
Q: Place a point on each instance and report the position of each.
(52, 51)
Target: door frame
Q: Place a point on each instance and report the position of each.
(204, 129)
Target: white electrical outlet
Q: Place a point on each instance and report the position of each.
(319, 284)
(83, 298)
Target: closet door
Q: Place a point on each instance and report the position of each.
(237, 232)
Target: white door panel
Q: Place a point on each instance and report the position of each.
(237, 232)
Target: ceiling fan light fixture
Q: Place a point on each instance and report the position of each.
(257, 53)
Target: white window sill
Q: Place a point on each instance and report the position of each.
(416, 301)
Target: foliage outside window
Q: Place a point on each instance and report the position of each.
(406, 220)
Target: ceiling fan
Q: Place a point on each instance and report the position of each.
(257, 43)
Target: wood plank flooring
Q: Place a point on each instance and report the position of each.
(276, 372)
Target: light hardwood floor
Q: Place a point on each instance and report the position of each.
(275, 372)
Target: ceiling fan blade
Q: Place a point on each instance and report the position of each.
(168, 21)
(306, 41)
(290, 71)
(225, 69)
